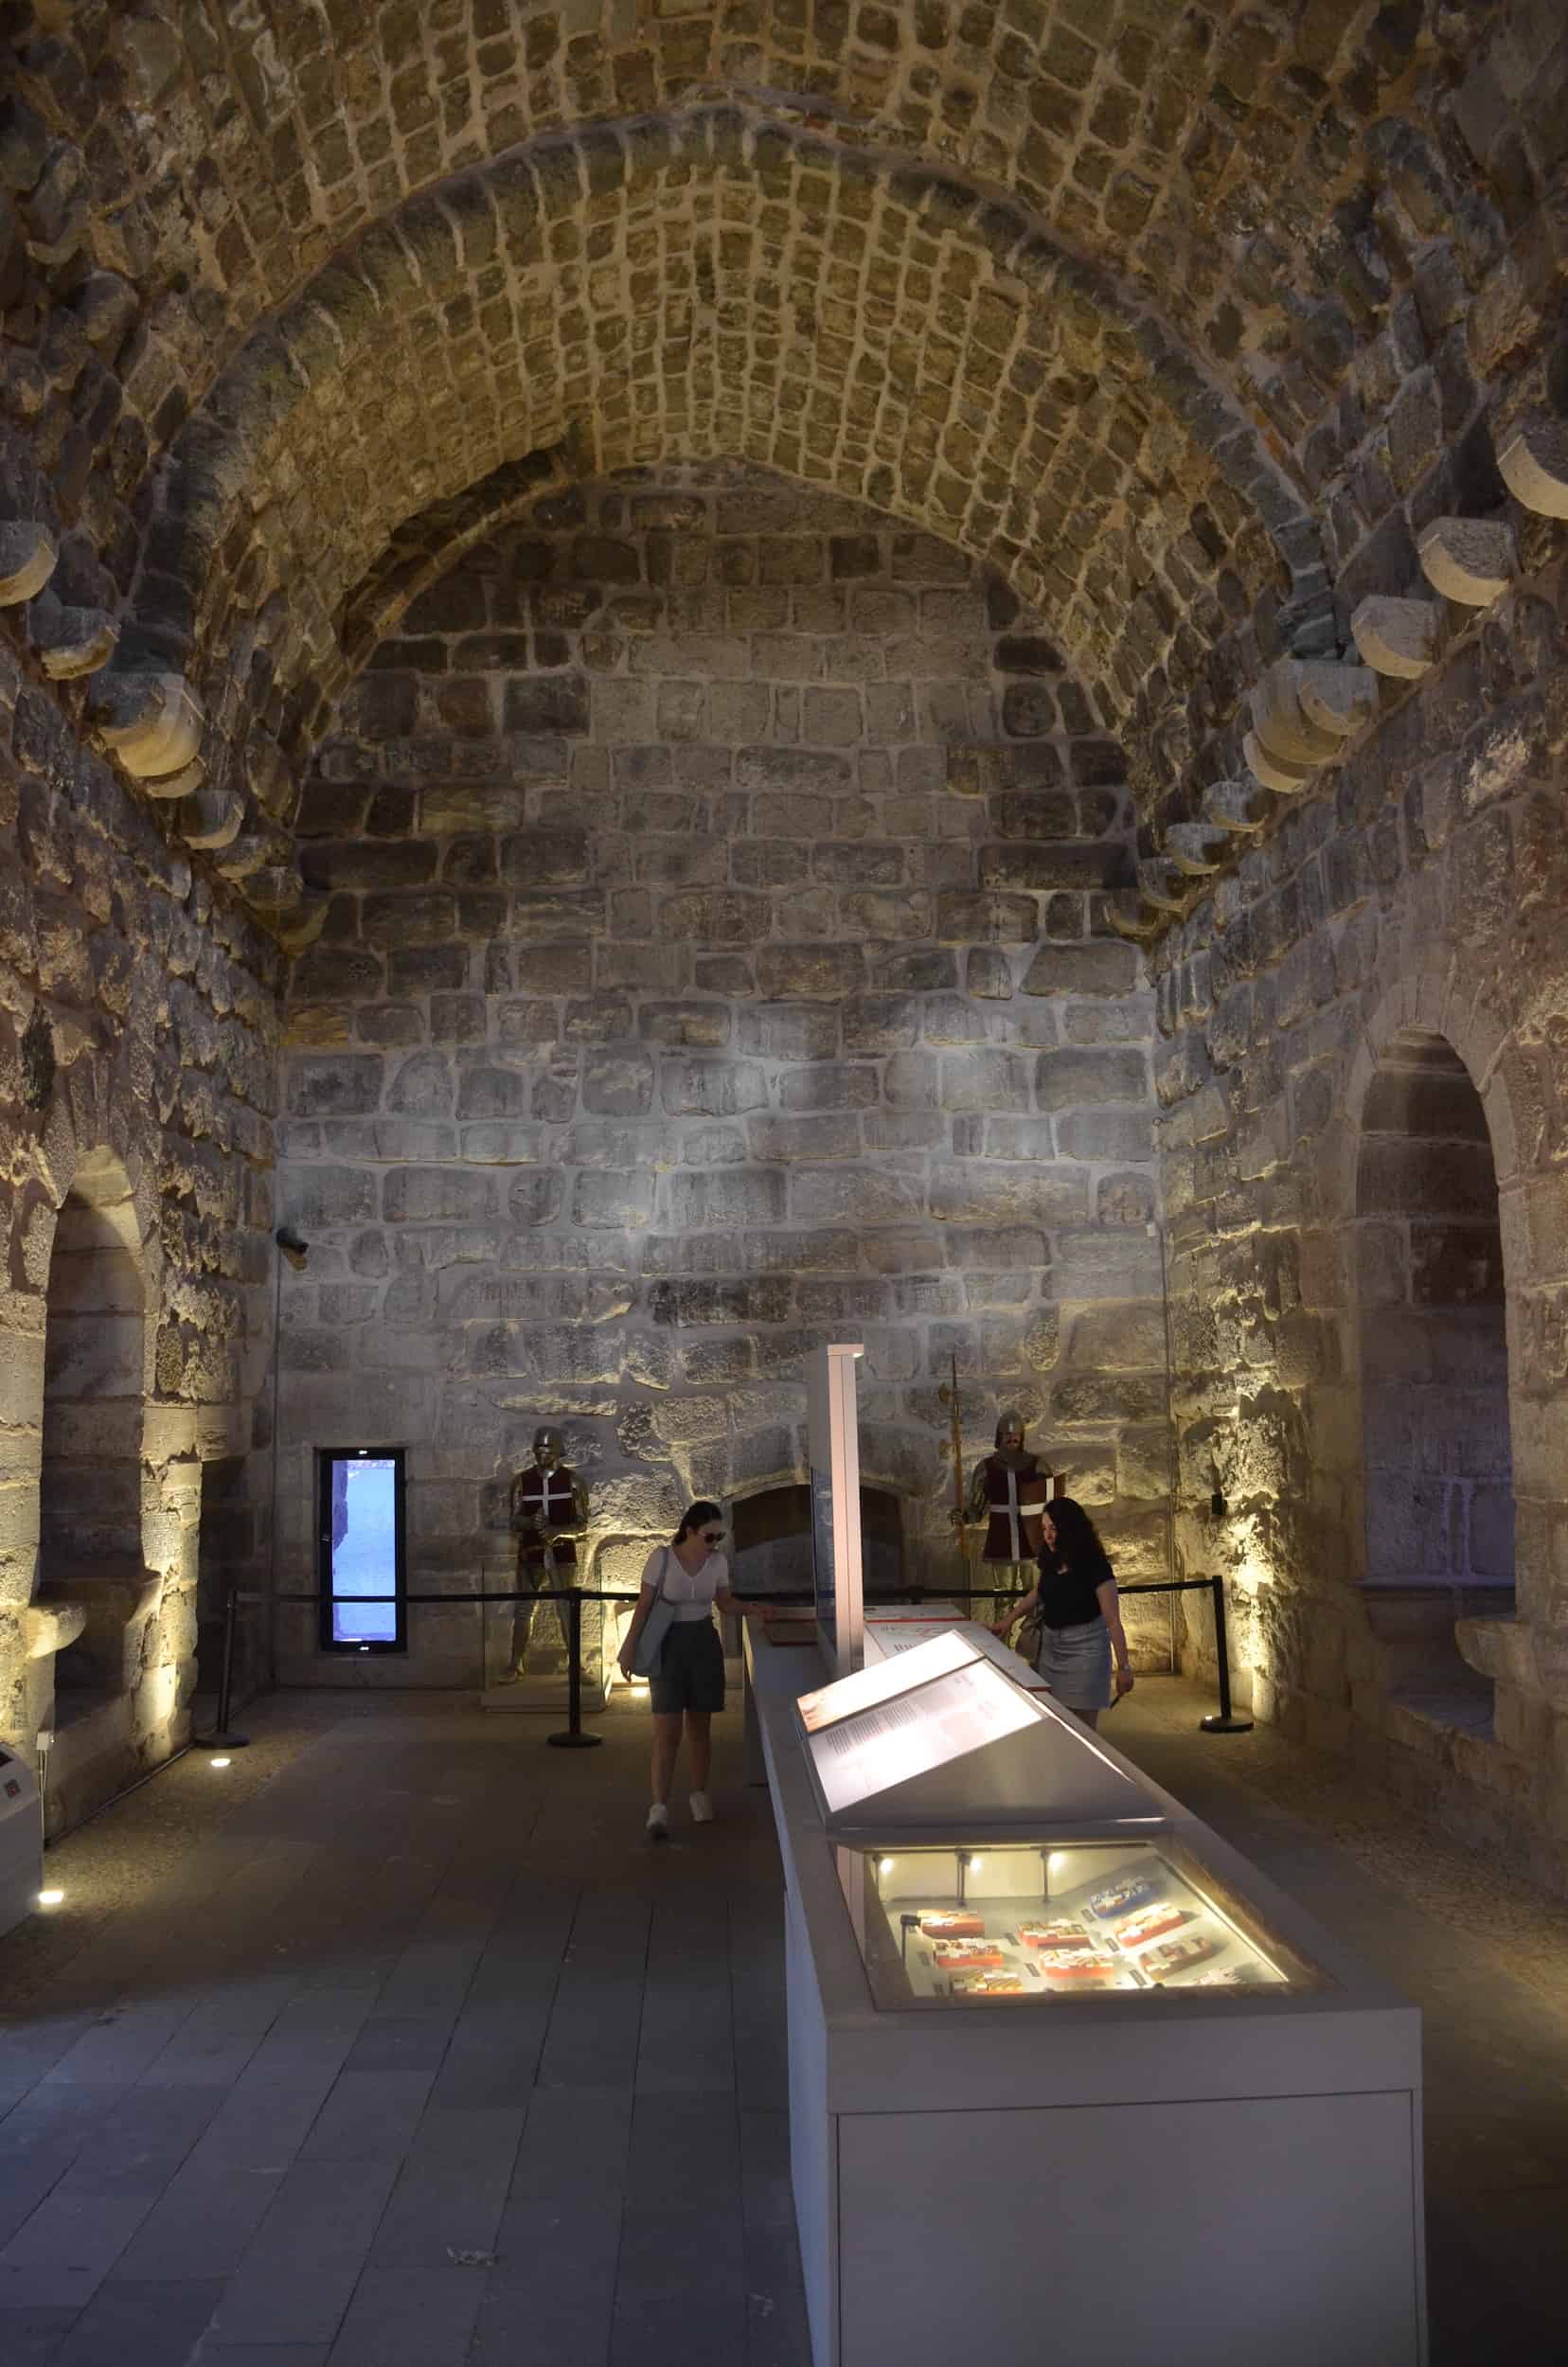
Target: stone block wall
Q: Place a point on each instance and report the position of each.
(137, 1049)
(1362, 1156)
(715, 964)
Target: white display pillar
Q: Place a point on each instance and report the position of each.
(832, 1430)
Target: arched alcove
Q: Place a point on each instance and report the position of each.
(771, 1541)
(90, 1470)
(1438, 1463)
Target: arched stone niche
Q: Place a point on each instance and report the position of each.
(1437, 1494)
(96, 1588)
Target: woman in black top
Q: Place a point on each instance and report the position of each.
(1079, 1621)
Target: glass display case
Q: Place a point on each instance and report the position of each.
(1012, 1920)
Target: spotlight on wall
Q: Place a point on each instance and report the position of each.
(296, 1250)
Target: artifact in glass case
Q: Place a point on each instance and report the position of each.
(943, 1925)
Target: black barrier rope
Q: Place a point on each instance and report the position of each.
(575, 1738)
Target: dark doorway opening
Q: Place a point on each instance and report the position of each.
(771, 1541)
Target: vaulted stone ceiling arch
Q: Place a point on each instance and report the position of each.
(1292, 211)
(235, 150)
(697, 285)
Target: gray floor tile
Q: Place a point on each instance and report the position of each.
(139, 2325)
(550, 2299)
(60, 2257)
(574, 2148)
(31, 2338)
(213, 2354)
(451, 2189)
(412, 2317)
(141, 2144)
(201, 2226)
(369, 2115)
(686, 2148)
(300, 2269)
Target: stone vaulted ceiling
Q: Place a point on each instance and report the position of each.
(1169, 312)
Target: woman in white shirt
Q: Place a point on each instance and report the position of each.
(692, 1576)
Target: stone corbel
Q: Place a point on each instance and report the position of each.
(210, 818)
(1236, 804)
(1163, 886)
(303, 927)
(1196, 847)
(1282, 728)
(255, 847)
(1339, 699)
(70, 641)
(48, 1627)
(1130, 917)
(1285, 779)
(1533, 459)
(151, 722)
(1397, 638)
(1470, 559)
(28, 554)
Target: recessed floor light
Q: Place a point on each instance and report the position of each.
(50, 1898)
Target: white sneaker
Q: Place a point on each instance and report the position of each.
(658, 1822)
(702, 1808)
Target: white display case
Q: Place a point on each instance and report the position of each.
(1204, 2156)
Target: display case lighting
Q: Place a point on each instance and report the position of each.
(884, 1865)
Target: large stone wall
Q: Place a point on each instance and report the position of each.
(1362, 1072)
(137, 1036)
(715, 964)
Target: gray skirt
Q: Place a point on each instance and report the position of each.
(1075, 1663)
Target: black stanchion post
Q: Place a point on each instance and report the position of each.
(574, 1739)
(221, 1738)
(1224, 1723)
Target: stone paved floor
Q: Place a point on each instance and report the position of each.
(396, 2046)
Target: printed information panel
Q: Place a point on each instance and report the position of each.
(931, 1656)
(875, 1748)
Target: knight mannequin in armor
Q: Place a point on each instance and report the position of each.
(549, 1511)
(1007, 1492)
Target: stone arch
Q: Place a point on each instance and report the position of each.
(772, 1532)
(1431, 1363)
(93, 1584)
(711, 283)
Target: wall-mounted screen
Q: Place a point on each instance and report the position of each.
(362, 1606)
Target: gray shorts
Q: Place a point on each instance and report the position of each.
(691, 1669)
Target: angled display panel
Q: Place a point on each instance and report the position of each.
(962, 1744)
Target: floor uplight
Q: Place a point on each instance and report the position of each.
(218, 1762)
(50, 1898)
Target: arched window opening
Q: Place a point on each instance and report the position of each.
(90, 1475)
(1439, 1510)
(771, 1545)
